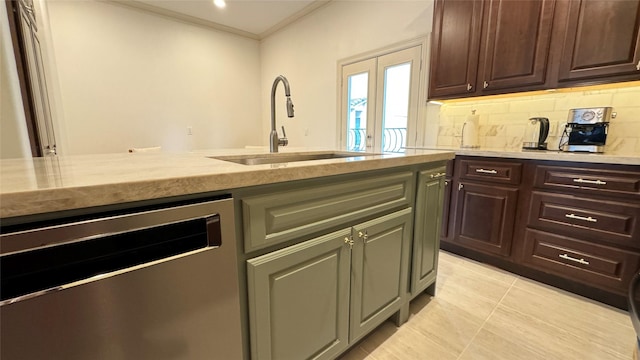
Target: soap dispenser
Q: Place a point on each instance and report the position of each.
(470, 131)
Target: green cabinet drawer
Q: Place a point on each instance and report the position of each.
(294, 211)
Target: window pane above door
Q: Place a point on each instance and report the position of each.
(397, 85)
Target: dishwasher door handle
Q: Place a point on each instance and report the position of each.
(214, 231)
(74, 231)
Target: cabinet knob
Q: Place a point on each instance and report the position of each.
(460, 186)
(469, 86)
(349, 241)
(363, 235)
(485, 84)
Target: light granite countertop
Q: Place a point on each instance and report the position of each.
(621, 159)
(42, 185)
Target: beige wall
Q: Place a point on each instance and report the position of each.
(307, 53)
(129, 78)
(503, 119)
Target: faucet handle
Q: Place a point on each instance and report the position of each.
(283, 141)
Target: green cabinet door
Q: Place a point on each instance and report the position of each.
(426, 240)
(299, 300)
(379, 270)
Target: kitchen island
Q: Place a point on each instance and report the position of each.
(326, 249)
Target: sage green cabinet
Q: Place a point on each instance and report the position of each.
(313, 299)
(426, 238)
(299, 299)
(379, 270)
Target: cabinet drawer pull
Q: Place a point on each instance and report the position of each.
(579, 261)
(595, 182)
(485, 84)
(484, 171)
(578, 217)
(638, 66)
(437, 175)
(469, 86)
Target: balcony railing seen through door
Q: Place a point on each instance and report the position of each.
(393, 139)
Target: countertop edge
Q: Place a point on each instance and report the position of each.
(544, 155)
(40, 201)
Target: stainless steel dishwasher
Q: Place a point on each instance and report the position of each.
(158, 283)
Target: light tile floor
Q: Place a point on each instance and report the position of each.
(480, 312)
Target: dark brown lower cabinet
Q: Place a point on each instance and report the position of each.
(615, 222)
(572, 225)
(485, 217)
(586, 261)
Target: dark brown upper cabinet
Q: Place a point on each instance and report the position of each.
(486, 47)
(455, 47)
(515, 44)
(601, 41)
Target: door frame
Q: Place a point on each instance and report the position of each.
(423, 41)
(13, 14)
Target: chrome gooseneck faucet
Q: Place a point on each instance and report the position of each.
(273, 137)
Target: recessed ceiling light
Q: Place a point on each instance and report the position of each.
(220, 3)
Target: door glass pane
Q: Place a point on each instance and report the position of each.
(397, 81)
(357, 112)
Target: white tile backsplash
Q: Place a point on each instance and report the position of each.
(503, 119)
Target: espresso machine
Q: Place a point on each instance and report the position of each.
(586, 129)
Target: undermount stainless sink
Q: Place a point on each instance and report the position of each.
(276, 158)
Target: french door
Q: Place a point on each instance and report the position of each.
(379, 101)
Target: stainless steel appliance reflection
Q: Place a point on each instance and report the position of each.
(159, 283)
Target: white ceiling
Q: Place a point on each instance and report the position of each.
(254, 18)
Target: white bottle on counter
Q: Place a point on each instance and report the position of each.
(470, 131)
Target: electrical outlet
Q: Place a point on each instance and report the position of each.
(189, 130)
